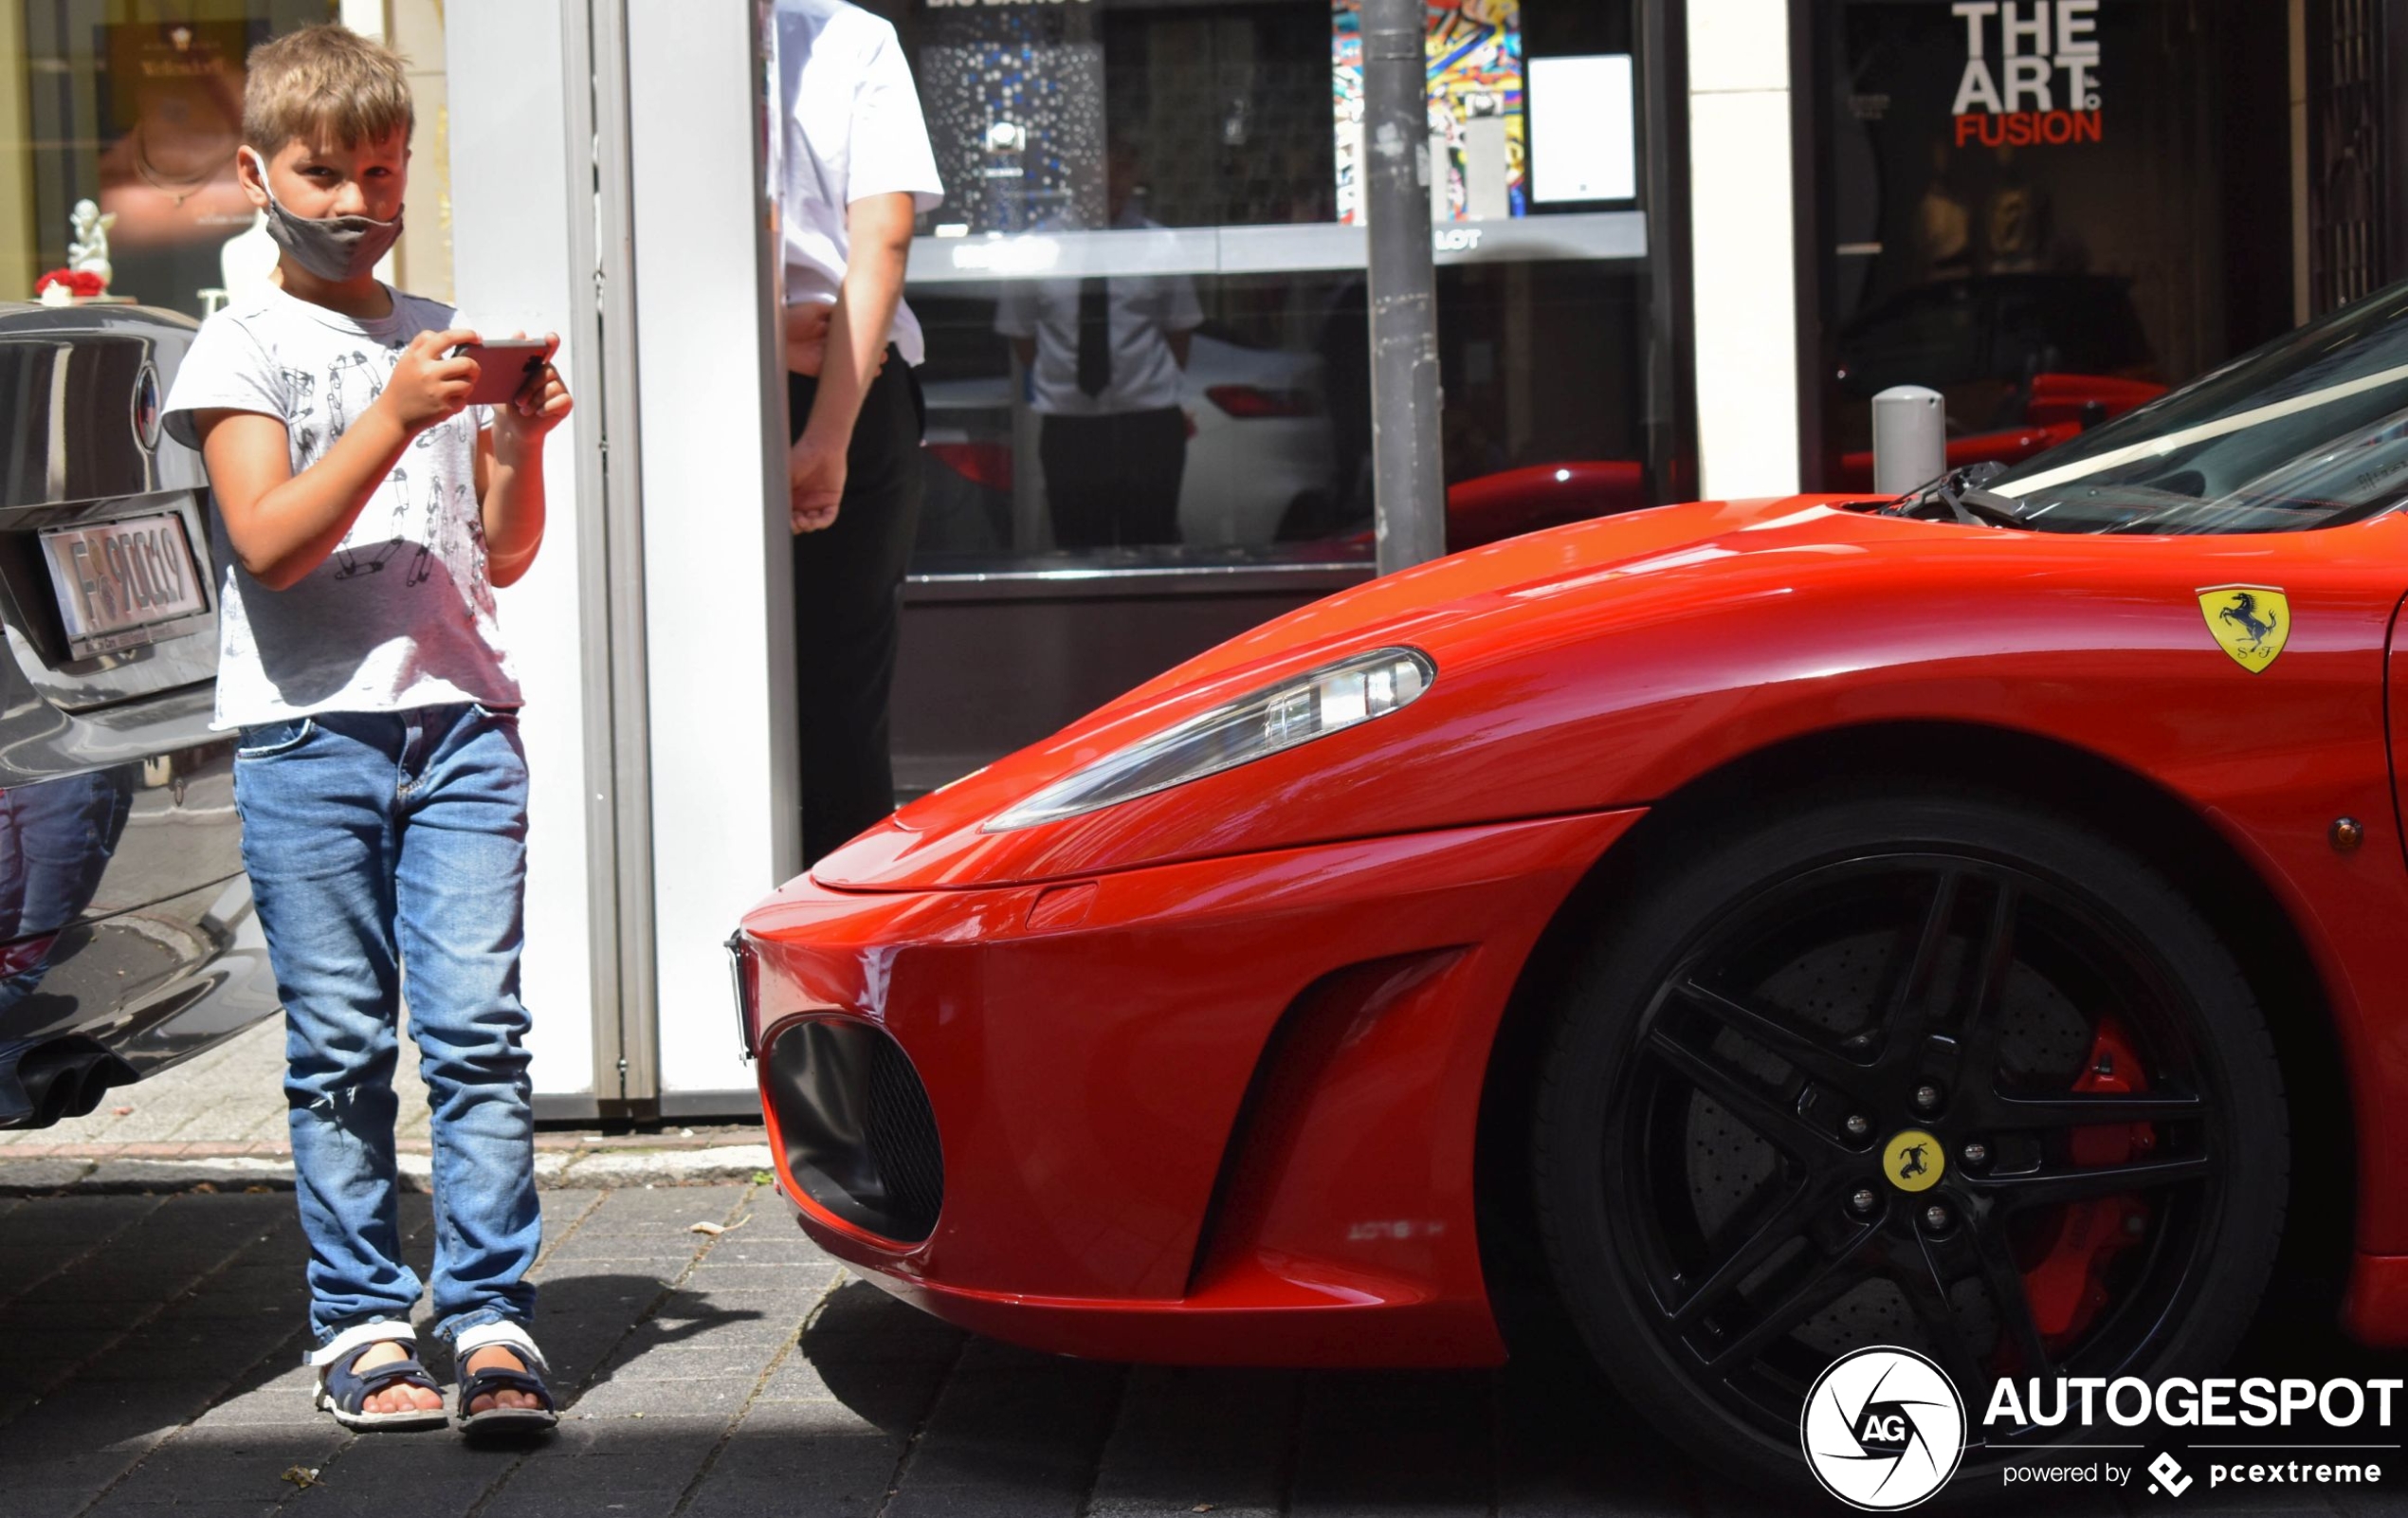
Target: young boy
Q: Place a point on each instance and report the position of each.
(364, 515)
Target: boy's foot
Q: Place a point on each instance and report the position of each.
(497, 1357)
(399, 1398)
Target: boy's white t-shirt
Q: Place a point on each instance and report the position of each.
(401, 615)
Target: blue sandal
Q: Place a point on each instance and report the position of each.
(343, 1390)
(498, 1422)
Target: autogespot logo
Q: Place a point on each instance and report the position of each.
(1884, 1429)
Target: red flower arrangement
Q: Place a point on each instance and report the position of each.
(78, 282)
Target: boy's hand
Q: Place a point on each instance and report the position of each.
(814, 482)
(426, 387)
(540, 405)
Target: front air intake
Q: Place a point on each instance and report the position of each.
(859, 1135)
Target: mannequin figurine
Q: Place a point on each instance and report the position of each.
(88, 244)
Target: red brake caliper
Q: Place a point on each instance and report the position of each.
(2068, 1288)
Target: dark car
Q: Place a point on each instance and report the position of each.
(127, 938)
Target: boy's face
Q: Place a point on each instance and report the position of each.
(317, 176)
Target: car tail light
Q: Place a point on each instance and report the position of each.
(986, 464)
(1247, 403)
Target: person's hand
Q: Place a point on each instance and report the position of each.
(815, 482)
(806, 337)
(426, 387)
(539, 404)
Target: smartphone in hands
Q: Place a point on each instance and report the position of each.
(506, 366)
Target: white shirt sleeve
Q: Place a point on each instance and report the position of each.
(1181, 312)
(890, 151)
(225, 369)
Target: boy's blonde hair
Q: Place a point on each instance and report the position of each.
(323, 79)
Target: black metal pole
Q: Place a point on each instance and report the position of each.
(1408, 471)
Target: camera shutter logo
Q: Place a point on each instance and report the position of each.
(1882, 1429)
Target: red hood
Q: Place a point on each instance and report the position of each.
(1607, 664)
(1472, 612)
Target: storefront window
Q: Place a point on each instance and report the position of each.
(126, 118)
(134, 107)
(1145, 294)
(2048, 210)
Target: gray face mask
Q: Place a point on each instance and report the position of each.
(335, 249)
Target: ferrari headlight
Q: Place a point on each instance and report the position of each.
(1314, 704)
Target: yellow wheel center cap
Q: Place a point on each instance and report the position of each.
(1912, 1161)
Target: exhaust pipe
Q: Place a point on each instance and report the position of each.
(66, 1078)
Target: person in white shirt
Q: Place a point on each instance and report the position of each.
(1106, 360)
(858, 171)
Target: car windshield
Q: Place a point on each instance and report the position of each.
(2310, 430)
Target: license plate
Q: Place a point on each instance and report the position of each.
(124, 583)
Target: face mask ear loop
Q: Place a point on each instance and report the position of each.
(254, 154)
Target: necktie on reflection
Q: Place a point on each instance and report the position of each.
(1095, 335)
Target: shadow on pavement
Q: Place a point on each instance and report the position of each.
(149, 1353)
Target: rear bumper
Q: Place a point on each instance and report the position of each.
(127, 935)
(1221, 1111)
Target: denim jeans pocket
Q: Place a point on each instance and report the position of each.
(268, 740)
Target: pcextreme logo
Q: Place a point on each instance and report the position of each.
(2039, 84)
(1882, 1429)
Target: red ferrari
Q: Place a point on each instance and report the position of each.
(1971, 922)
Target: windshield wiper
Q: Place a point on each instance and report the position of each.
(1959, 492)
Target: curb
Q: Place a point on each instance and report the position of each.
(595, 1169)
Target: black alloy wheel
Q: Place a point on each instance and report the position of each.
(1939, 1071)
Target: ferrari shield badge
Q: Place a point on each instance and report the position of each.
(2250, 622)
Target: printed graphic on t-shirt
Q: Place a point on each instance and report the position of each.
(400, 613)
(406, 514)
(303, 386)
(346, 377)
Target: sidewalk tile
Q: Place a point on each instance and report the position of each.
(1190, 1436)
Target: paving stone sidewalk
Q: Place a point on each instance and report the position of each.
(149, 1367)
(149, 1348)
(218, 1121)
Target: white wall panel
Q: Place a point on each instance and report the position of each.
(1738, 45)
(718, 584)
(512, 195)
(1743, 236)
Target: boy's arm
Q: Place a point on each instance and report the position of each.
(281, 524)
(510, 472)
(878, 229)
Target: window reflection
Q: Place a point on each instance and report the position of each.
(1264, 449)
(2045, 262)
(1145, 298)
(137, 107)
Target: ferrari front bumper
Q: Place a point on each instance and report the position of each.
(1217, 1111)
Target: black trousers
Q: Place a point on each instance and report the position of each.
(849, 611)
(1113, 479)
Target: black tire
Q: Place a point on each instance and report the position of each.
(1681, 1239)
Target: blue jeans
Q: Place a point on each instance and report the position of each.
(387, 854)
